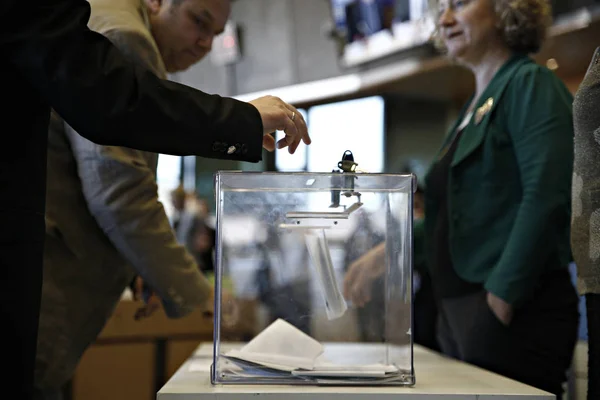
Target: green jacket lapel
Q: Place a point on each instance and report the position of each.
(451, 132)
(475, 131)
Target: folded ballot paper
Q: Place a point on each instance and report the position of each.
(316, 242)
(283, 350)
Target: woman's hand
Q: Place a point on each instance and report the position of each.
(502, 310)
(361, 274)
(151, 304)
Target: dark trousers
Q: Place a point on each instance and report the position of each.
(21, 278)
(592, 302)
(426, 315)
(47, 395)
(536, 348)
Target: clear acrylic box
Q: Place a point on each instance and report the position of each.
(286, 241)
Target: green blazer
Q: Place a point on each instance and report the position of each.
(509, 188)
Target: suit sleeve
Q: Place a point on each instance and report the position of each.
(121, 193)
(540, 124)
(111, 101)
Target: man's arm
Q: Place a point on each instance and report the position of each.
(121, 193)
(110, 101)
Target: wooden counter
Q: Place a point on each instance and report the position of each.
(132, 359)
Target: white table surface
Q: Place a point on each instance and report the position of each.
(437, 377)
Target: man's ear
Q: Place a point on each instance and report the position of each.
(153, 5)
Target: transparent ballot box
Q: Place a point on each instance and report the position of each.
(325, 260)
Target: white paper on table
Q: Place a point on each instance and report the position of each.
(247, 369)
(283, 345)
(322, 364)
(331, 370)
(274, 361)
(338, 381)
(341, 374)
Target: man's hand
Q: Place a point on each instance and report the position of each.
(361, 274)
(230, 314)
(277, 115)
(150, 306)
(208, 308)
(502, 310)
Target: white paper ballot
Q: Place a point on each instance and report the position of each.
(274, 361)
(321, 364)
(283, 338)
(284, 350)
(281, 345)
(316, 242)
(340, 373)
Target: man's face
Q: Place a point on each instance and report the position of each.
(184, 29)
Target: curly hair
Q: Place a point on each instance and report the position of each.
(523, 24)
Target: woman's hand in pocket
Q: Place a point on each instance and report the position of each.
(502, 310)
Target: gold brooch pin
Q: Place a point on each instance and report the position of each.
(483, 110)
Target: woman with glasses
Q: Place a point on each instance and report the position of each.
(497, 205)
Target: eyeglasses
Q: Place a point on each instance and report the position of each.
(454, 5)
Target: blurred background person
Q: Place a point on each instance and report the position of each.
(402, 10)
(387, 12)
(202, 245)
(497, 204)
(585, 225)
(192, 226)
(201, 241)
(183, 216)
(370, 20)
(353, 21)
(371, 326)
(282, 281)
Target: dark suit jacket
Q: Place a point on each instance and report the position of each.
(48, 57)
(509, 188)
(105, 223)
